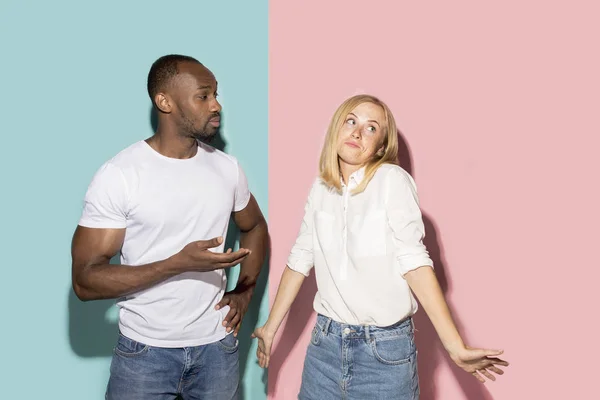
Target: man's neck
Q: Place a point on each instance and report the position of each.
(173, 146)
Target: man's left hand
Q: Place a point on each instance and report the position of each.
(238, 300)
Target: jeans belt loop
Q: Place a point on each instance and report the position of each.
(326, 326)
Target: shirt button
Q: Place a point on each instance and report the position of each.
(347, 331)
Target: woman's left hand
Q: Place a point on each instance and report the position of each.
(479, 362)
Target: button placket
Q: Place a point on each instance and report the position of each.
(344, 262)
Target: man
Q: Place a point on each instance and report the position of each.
(165, 204)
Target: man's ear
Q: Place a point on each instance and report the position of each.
(163, 103)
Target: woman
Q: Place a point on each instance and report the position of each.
(362, 231)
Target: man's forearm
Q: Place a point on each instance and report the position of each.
(109, 281)
(424, 284)
(256, 240)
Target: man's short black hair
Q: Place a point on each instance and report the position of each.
(163, 70)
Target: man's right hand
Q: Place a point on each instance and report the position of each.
(195, 256)
(94, 278)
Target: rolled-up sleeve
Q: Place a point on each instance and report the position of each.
(301, 258)
(406, 221)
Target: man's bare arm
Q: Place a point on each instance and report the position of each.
(93, 277)
(254, 236)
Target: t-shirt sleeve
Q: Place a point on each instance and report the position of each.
(242, 192)
(105, 202)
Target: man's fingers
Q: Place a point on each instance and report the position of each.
(229, 317)
(224, 301)
(234, 322)
(235, 255)
(209, 244)
(225, 260)
(228, 265)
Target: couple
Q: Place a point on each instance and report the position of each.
(164, 204)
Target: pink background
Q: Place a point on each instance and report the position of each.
(499, 111)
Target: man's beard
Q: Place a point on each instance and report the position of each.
(206, 134)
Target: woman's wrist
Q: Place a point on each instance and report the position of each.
(455, 347)
(270, 328)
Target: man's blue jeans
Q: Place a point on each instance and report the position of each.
(142, 372)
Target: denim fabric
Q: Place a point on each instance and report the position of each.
(353, 362)
(142, 372)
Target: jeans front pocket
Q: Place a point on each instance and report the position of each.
(393, 349)
(129, 348)
(316, 335)
(229, 343)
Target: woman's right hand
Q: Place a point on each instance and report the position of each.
(265, 341)
(286, 293)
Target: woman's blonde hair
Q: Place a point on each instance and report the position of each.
(329, 168)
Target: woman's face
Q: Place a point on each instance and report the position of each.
(361, 135)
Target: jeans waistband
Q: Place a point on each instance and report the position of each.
(329, 326)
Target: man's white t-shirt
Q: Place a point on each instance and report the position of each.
(164, 204)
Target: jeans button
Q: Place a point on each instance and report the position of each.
(347, 331)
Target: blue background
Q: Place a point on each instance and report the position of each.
(73, 80)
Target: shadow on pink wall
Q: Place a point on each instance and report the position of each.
(300, 315)
(431, 352)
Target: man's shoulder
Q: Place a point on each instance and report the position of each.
(124, 160)
(219, 157)
(130, 155)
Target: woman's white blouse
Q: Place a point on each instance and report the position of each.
(361, 246)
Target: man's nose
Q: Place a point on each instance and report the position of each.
(215, 106)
